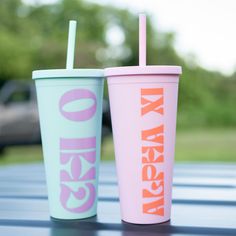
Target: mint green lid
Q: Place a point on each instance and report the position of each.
(67, 73)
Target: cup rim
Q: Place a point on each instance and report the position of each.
(67, 73)
(143, 70)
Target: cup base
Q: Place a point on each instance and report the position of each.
(144, 223)
(71, 220)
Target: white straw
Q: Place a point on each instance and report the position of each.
(71, 45)
(142, 39)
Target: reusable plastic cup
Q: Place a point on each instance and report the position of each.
(70, 112)
(143, 103)
(70, 109)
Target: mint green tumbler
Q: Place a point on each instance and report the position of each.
(70, 110)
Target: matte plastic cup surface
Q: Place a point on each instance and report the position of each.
(143, 104)
(70, 109)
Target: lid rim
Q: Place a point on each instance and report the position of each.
(61, 73)
(142, 70)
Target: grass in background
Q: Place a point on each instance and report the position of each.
(191, 145)
(21, 154)
(206, 145)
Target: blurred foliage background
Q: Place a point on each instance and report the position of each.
(35, 37)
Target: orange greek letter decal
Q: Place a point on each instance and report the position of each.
(150, 105)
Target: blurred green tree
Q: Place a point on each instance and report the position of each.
(35, 37)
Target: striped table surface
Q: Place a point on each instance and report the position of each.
(204, 203)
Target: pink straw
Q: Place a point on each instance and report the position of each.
(142, 40)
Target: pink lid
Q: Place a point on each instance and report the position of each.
(143, 70)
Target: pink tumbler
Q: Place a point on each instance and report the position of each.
(143, 101)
